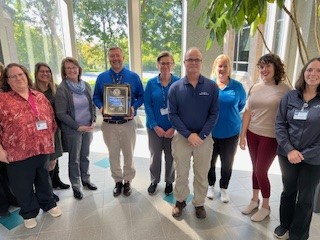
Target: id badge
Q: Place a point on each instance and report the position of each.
(300, 114)
(41, 125)
(164, 111)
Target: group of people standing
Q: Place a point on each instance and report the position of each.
(206, 117)
(192, 117)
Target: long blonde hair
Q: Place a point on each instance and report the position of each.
(52, 85)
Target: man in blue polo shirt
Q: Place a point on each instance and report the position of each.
(119, 133)
(193, 111)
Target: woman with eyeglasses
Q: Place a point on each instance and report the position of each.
(77, 114)
(44, 83)
(159, 128)
(27, 127)
(6, 196)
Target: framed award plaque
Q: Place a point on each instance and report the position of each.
(117, 100)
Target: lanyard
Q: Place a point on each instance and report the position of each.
(116, 78)
(33, 106)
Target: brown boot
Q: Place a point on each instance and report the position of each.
(177, 209)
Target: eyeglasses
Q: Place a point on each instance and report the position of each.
(166, 63)
(70, 68)
(195, 60)
(15, 77)
(44, 72)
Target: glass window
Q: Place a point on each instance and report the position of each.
(161, 23)
(37, 32)
(241, 50)
(99, 25)
(278, 33)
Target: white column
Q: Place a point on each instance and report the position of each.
(134, 25)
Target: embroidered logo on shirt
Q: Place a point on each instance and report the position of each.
(317, 106)
(203, 94)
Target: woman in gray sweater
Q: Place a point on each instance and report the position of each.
(76, 112)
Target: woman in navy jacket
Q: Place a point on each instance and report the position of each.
(298, 136)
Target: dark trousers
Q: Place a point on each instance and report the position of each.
(79, 150)
(226, 148)
(6, 196)
(157, 145)
(296, 204)
(262, 152)
(29, 180)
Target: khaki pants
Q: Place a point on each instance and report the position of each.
(182, 152)
(120, 137)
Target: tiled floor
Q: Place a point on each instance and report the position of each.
(142, 217)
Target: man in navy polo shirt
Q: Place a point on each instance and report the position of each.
(193, 111)
(119, 133)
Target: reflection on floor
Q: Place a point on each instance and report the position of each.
(142, 217)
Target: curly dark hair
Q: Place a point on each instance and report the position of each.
(301, 82)
(279, 68)
(6, 87)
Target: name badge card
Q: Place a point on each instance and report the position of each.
(41, 125)
(300, 114)
(164, 111)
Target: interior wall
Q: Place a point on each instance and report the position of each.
(197, 37)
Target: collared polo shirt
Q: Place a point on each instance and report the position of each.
(193, 110)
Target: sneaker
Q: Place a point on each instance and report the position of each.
(210, 193)
(200, 212)
(281, 232)
(260, 215)
(224, 196)
(178, 208)
(30, 223)
(152, 188)
(168, 190)
(55, 212)
(117, 189)
(127, 189)
(252, 206)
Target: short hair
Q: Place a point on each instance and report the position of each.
(52, 85)
(70, 60)
(221, 57)
(6, 87)
(165, 54)
(192, 49)
(279, 68)
(115, 48)
(301, 82)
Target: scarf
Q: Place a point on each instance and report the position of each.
(76, 87)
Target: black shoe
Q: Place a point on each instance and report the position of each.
(60, 184)
(281, 232)
(89, 185)
(127, 189)
(77, 194)
(152, 188)
(168, 190)
(117, 189)
(5, 213)
(200, 212)
(56, 197)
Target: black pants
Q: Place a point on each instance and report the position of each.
(226, 148)
(6, 196)
(30, 184)
(296, 204)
